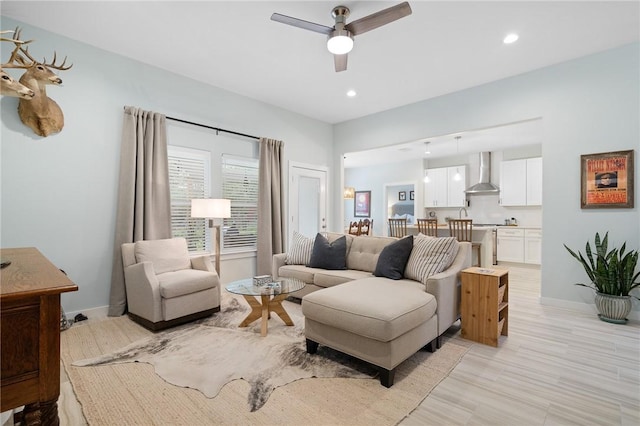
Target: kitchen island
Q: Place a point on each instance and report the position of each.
(484, 235)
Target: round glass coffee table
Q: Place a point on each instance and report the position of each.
(265, 299)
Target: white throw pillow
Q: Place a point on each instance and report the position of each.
(430, 255)
(300, 251)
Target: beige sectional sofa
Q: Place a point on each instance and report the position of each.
(380, 320)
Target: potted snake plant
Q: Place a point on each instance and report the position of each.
(612, 276)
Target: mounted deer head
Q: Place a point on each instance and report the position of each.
(42, 114)
(9, 86)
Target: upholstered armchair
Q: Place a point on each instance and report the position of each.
(165, 287)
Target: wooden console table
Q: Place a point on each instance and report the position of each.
(30, 334)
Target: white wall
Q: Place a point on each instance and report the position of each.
(59, 193)
(587, 105)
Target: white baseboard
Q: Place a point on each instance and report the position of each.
(588, 308)
(99, 312)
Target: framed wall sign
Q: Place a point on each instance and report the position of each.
(362, 204)
(607, 180)
(402, 195)
(412, 195)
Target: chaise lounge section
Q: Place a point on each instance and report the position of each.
(379, 319)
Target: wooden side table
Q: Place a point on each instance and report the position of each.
(30, 334)
(485, 304)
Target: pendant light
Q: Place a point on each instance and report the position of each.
(426, 170)
(457, 177)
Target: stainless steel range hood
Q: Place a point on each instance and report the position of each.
(484, 185)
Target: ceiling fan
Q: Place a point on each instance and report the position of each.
(340, 36)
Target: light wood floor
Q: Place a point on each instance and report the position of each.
(556, 367)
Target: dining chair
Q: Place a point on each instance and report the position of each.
(428, 227)
(354, 227)
(462, 230)
(398, 227)
(366, 227)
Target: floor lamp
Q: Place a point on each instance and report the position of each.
(212, 209)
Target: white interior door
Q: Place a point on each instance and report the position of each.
(307, 199)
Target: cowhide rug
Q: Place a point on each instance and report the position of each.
(207, 354)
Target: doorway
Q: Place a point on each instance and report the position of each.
(399, 199)
(307, 199)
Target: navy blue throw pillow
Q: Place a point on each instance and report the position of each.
(393, 259)
(327, 255)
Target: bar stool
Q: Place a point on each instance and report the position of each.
(428, 227)
(398, 227)
(462, 229)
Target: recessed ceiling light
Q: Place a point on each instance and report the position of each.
(511, 38)
(351, 93)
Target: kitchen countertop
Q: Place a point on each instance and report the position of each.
(481, 227)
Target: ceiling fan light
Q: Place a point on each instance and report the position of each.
(511, 38)
(340, 42)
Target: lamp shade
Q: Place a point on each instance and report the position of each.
(214, 208)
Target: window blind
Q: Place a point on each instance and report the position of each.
(240, 185)
(189, 177)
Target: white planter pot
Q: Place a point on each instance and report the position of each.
(613, 309)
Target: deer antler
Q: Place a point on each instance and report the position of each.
(16, 61)
(60, 67)
(53, 65)
(14, 40)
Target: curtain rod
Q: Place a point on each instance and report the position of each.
(217, 129)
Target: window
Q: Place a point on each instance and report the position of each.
(240, 185)
(189, 177)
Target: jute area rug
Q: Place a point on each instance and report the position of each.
(122, 382)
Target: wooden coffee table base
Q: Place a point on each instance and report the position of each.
(262, 308)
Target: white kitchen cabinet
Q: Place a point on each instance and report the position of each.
(510, 245)
(532, 246)
(435, 190)
(456, 196)
(513, 183)
(519, 245)
(534, 181)
(521, 182)
(442, 190)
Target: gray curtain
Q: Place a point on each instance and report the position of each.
(270, 204)
(144, 203)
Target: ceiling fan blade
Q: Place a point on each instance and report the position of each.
(340, 62)
(306, 25)
(379, 19)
